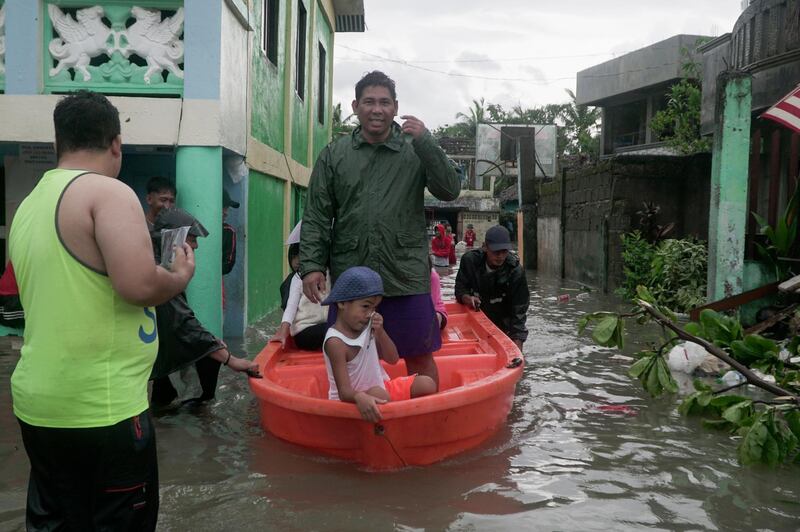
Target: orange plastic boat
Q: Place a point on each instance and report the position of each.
(478, 371)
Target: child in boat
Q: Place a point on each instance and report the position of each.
(356, 343)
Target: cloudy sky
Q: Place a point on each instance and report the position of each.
(444, 53)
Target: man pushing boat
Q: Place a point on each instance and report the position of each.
(365, 208)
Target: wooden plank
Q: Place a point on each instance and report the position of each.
(774, 176)
(736, 301)
(790, 285)
(774, 319)
(755, 179)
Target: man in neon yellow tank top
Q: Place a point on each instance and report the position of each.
(88, 282)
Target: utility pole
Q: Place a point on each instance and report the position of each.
(528, 195)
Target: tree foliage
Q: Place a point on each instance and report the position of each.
(342, 126)
(767, 431)
(679, 123)
(674, 271)
(577, 124)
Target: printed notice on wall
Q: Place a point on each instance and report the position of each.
(40, 153)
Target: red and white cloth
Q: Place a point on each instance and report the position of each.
(786, 111)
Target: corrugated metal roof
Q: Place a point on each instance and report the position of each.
(349, 23)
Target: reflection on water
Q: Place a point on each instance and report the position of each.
(563, 462)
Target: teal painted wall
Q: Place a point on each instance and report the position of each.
(324, 36)
(198, 178)
(265, 249)
(299, 112)
(267, 81)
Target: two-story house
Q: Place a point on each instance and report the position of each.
(213, 94)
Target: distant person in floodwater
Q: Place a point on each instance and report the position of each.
(356, 343)
(440, 247)
(492, 280)
(88, 283)
(366, 207)
(469, 236)
(451, 256)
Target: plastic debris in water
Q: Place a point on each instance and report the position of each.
(731, 378)
(686, 357)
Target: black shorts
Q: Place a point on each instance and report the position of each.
(102, 478)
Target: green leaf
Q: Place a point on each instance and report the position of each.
(690, 406)
(665, 377)
(739, 411)
(604, 331)
(700, 386)
(644, 294)
(695, 329)
(582, 323)
(619, 334)
(638, 367)
(652, 383)
(793, 421)
(751, 448)
(724, 401)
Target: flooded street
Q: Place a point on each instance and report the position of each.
(561, 463)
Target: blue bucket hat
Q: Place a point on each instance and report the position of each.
(358, 282)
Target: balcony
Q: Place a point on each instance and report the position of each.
(117, 47)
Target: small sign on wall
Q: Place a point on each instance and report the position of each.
(39, 153)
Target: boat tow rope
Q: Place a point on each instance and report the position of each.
(380, 430)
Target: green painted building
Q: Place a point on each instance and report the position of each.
(233, 95)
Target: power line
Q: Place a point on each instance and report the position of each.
(536, 81)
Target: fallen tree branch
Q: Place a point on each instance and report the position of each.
(751, 377)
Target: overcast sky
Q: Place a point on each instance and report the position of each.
(511, 51)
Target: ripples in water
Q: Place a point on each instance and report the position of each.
(584, 449)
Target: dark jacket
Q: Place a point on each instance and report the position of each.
(182, 339)
(503, 292)
(228, 248)
(366, 207)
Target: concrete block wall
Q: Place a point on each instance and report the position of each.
(601, 203)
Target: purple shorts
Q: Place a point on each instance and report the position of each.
(410, 321)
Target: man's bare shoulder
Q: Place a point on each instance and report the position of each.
(100, 190)
(103, 184)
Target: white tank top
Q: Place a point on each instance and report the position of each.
(365, 369)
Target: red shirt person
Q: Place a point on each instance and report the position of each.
(469, 236)
(440, 246)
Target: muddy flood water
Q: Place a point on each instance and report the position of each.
(562, 462)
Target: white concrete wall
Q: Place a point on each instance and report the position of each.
(234, 81)
(144, 121)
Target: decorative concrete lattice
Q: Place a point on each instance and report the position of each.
(114, 48)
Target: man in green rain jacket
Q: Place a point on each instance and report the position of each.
(366, 208)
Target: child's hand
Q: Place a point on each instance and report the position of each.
(368, 406)
(377, 323)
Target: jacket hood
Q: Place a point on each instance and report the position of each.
(440, 229)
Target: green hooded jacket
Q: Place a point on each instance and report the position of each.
(366, 207)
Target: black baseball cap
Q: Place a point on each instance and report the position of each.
(175, 218)
(227, 201)
(497, 238)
